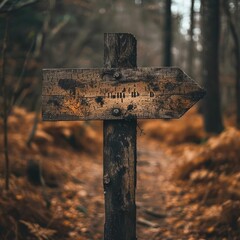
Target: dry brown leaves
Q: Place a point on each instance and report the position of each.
(189, 128)
(212, 170)
(37, 205)
(65, 201)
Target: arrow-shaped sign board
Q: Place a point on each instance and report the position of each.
(117, 93)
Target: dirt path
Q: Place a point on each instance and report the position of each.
(161, 210)
(161, 213)
(152, 191)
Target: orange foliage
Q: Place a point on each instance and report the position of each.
(189, 128)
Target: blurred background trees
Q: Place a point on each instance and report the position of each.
(191, 40)
(231, 9)
(167, 61)
(68, 33)
(210, 29)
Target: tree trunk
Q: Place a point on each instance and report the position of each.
(191, 43)
(235, 37)
(210, 63)
(4, 93)
(167, 61)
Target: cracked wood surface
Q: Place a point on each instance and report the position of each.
(117, 93)
(120, 150)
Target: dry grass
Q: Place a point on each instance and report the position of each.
(212, 171)
(189, 128)
(37, 171)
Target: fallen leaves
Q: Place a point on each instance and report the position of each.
(39, 203)
(188, 187)
(213, 170)
(189, 128)
(39, 232)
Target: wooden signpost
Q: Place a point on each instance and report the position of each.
(118, 94)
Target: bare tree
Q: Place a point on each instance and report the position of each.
(191, 43)
(4, 93)
(167, 60)
(210, 29)
(7, 7)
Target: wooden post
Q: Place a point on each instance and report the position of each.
(119, 150)
(118, 94)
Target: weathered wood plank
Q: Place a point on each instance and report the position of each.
(68, 109)
(82, 94)
(119, 172)
(95, 82)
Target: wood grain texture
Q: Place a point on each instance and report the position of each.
(118, 94)
(119, 172)
(81, 94)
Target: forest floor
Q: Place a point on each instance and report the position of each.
(187, 185)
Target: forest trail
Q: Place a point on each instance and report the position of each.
(161, 213)
(186, 189)
(154, 193)
(161, 210)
